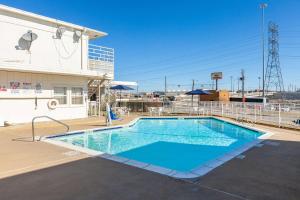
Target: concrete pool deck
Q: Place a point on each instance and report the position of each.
(43, 171)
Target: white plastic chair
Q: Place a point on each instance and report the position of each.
(159, 110)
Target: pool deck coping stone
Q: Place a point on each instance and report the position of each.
(194, 173)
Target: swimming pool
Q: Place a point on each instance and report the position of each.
(186, 146)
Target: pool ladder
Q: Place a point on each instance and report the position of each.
(44, 116)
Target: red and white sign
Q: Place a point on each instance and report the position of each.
(3, 88)
(15, 87)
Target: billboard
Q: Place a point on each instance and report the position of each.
(216, 75)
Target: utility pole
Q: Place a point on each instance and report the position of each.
(231, 89)
(259, 85)
(165, 96)
(238, 84)
(274, 80)
(193, 87)
(262, 7)
(243, 84)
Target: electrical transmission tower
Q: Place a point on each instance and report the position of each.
(274, 81)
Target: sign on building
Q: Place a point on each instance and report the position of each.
(26, 87)
(3, 88)
(14, 86)
(38, 88)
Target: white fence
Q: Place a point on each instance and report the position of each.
(282, 115)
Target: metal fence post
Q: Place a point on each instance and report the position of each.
(222, 109)
(244, 110)
(279, 115)
(260, 112)
(255, 113)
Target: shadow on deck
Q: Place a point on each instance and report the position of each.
(267, 172)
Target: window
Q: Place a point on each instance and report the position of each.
(77, 95)
(60, 94)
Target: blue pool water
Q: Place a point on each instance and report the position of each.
(178, 144)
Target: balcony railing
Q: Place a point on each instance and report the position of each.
(101, 59)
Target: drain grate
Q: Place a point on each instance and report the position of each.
(259, 145)
(241, 157)
(270, 143)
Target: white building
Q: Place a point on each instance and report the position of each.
(42, 59)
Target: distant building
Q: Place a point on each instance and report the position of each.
(248, 99)
(220, 95)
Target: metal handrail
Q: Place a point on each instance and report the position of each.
(57, 121)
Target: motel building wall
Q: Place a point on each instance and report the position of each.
(52, 68)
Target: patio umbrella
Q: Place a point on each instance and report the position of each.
(120, 88)
(198, 92)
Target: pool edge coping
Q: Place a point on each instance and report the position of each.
(196, 172)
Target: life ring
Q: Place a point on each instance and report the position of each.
(52, 104)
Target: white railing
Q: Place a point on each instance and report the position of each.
(101, 59)
(282, 115)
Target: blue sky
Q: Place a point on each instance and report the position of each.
(183, 40)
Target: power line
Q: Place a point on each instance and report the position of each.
(203, 61)
(203, 69)
(195, 53)
(238, 48)
(208, 60)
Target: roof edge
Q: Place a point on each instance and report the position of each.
(91, 32)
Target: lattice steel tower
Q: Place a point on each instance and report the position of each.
(274, 81)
